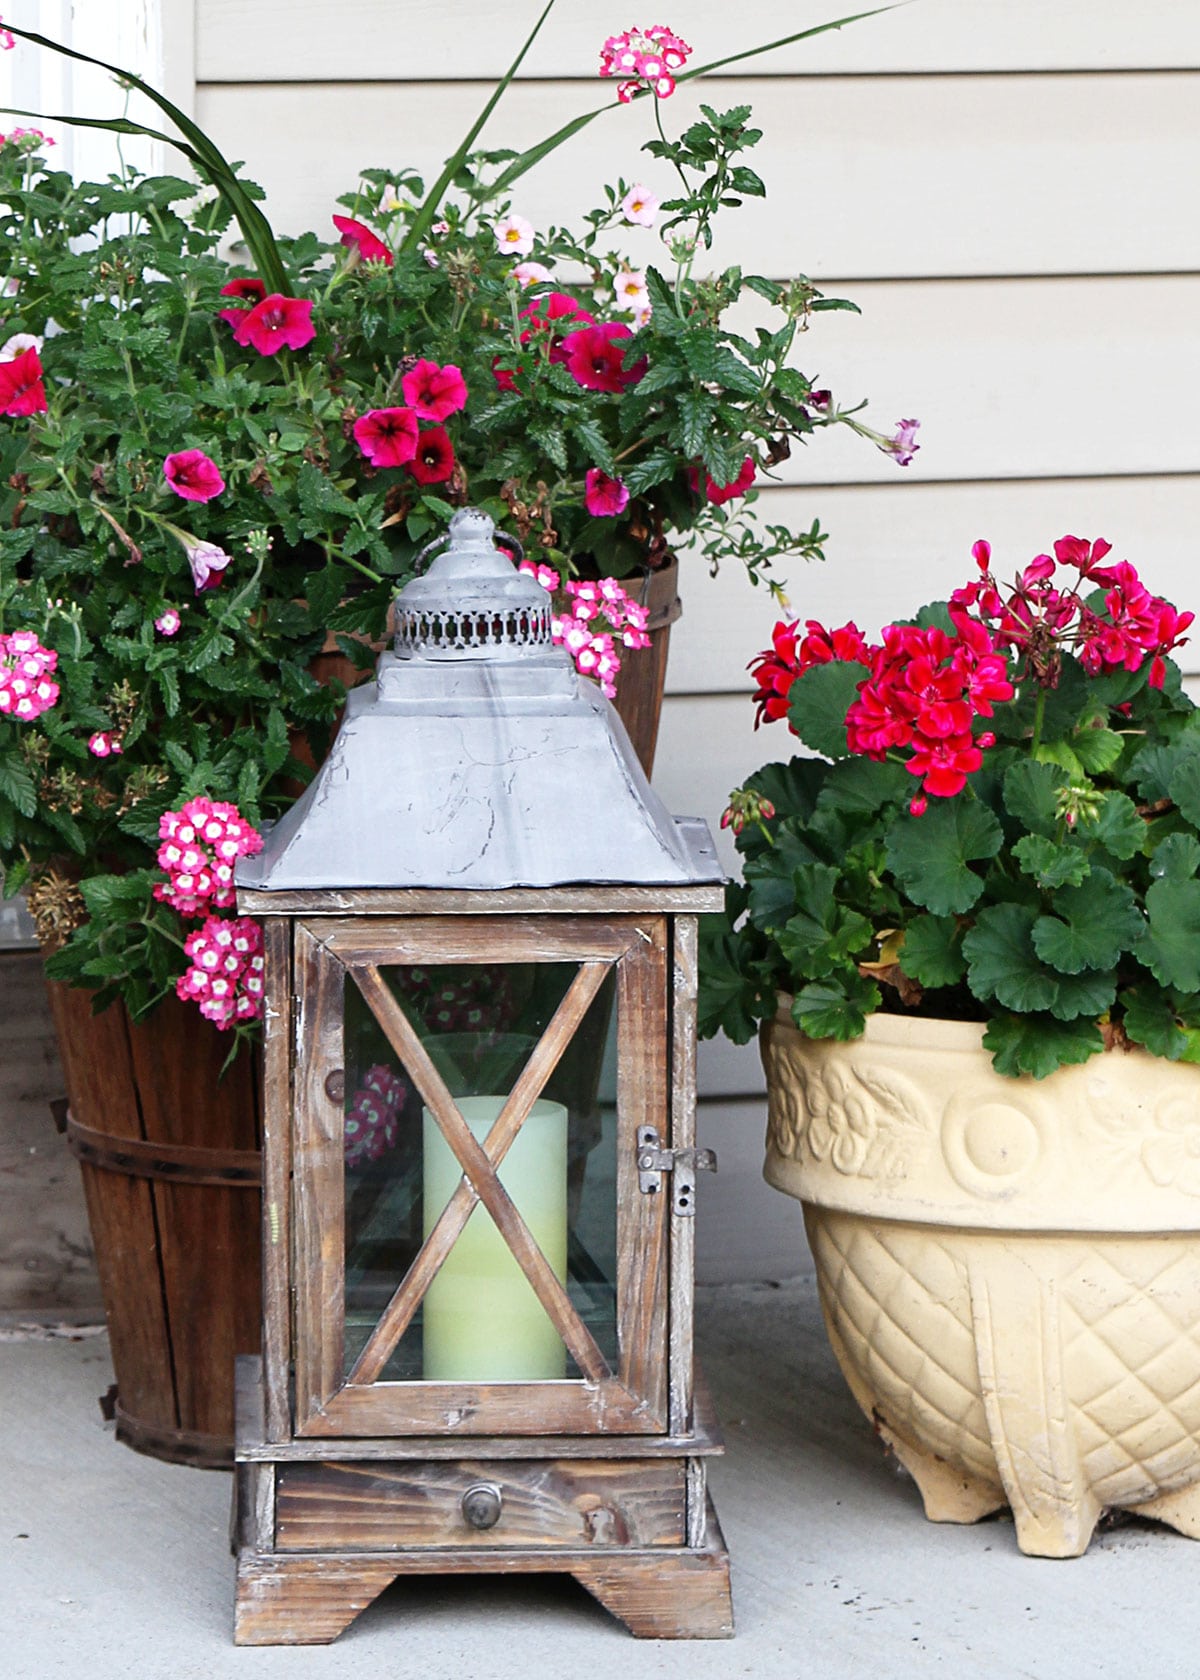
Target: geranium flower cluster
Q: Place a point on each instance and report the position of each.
(372, 1126)
(647, 57)
(26, 687)
(777, 668)
(1039, 619)
(201, 844)
(592, 620)
(225, 977)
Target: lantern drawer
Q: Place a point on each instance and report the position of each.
(520, 1502)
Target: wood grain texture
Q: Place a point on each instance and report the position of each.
(547, 1503)
(1003, 175)
(402, 40)
(508, 901)
(685, 972)
(277, 1177)
(478, 939)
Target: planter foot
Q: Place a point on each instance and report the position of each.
(948, 1495)
(1180, 1510)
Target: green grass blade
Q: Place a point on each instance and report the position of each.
(785, 41)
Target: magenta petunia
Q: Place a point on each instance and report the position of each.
(434, 460)
(595, 358)
(433, 392)
(604, 496)
(369, 245)
(387, 436)
(719, 493)
(276, 323)
(21, 389)
(249, 290)
(192, 475)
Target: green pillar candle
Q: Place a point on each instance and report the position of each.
(482, 1320)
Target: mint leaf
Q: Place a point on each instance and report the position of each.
(1003, 963)
(1050, 864)
(1038, 1044)
(932, 951)
(929, 855)
(16, 785)
(1091, 925)
(836, 1008)
(819, 701)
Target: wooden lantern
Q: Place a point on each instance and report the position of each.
(479, 1151)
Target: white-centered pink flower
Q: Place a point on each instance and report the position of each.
(515, 235)
(639, 206)
(169, 622)
(103, 744)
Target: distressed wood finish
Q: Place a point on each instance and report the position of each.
(398, 1314)
(507, 901)
(430, 940)
(481, 1174)
(642, 1100)
(277, 1178)
(317, 1204)
(544, 1503)
(683, 1136)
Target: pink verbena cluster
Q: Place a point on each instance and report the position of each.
(26, 690)
(372, 1127)
(591, 621)
(226, 974)
(648, 58)
(923, 691)
(1039, 618)
(201, 843)
(776, 669)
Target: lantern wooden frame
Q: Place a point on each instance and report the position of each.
(346, 1483)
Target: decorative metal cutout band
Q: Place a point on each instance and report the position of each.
(424, 630)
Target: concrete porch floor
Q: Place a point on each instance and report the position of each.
(116, 1567)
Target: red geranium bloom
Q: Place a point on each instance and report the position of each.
(21, 387)
(433, 392)
(370, 247)
(275, 323)
(434, 460)
(595, 358)
(247, 288)
(604, 497)
(387, 436)
(719, 493)
(192, 475)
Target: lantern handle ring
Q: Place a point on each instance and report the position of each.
(500, 538)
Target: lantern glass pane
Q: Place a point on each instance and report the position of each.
(480, 1319)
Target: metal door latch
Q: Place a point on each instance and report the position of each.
(683, 1165)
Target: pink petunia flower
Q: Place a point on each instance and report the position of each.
(901, 445)
(358, 236)
(639, 206)
(207, 562)
(21, 389)
(720, 493)
(249, 289)
(604, 496)
(595, 358)
(433, 462)
(193, 475)
(169, 622)
(433, 392)
(514, 235)
(277, 323)
(387, 436)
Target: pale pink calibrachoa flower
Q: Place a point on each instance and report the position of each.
(604, 497)
(193, 475)
(387, 436)
(433, 392)
(371, 1127)
(531, 274)
(639, 206)
(12, 347)
(201, 843)
(168, 624)
(103, 744)
(226, 975)
(631, 292)
(515, 235)
(26, 690)
(277, 323)
(358, 236)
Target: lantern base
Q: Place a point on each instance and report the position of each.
(317, 1541)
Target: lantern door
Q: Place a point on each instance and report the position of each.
(472, 1249)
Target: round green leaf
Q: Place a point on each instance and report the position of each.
(1031, 794)
(1002, 962)
(932, 951)
(1092, 924)
(819, 701)
(929, 855)
(1171, 948)
(836, 1008)
(1038, 1044)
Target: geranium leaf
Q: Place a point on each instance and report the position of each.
(1155, 768)
(860, 787)
(822, 933)
(1177, 858)
(1091, 925)
(1003, 963)
(932, 951)
(1090, 993)
(1171, 947)
(819, 700)
(1097, 749)
(930, 854)
(1184, 788)
(1117, 827)
(835, 1008)
(1050, 864)
(1031, 795)
(1038, 1044)
(1150, 1020)
(770, 877)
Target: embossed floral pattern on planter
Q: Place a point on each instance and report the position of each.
(1009, 1271)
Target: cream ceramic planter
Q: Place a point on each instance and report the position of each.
(1009, 1269)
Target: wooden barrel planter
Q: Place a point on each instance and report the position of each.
(644, 670)
(172, 1175)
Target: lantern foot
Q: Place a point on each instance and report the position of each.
(671, 1595)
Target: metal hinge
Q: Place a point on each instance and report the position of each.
(683, 1165)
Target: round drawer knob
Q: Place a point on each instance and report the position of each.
(482, 1504)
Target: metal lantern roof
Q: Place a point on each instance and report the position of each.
(479, 758)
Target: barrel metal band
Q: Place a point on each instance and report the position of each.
(177, 1162)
